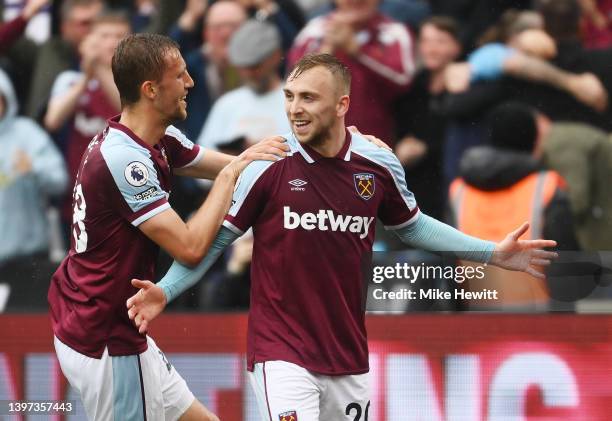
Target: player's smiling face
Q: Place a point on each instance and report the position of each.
(173, 87)
(311, 104)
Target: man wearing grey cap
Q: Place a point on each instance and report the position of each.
(256, 110)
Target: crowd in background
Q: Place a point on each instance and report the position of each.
(497, 109)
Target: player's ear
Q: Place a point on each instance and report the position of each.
(148, 89)
(342, 106)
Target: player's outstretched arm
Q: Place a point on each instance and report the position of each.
(151, 299)
(430, 234)
(523, 255)
(213, 162)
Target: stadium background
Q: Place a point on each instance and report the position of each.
(424, 366)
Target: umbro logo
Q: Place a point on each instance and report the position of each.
(298, 185)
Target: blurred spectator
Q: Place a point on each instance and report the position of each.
(61, 53)
(286, 15)
(31, 169)
(562, 22)
(12, 30)
(89, 97)
(502, 185)
(144, 12)
(377, 50)
(409, 12)
(583, 156)
(208, 65)
(420, 117)
(475, 15)
(596, 18)
(515, 72)
(248, 114)
(520, 51)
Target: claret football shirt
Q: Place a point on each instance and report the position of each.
(122, 182)
(313, 220)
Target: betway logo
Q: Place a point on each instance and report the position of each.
(325, 220)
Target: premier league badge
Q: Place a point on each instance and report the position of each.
(136, 173)
(364, 184)
(288, 416)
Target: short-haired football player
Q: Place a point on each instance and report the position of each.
(121, 216)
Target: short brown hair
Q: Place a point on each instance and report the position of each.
(339, 71)
(138, 58)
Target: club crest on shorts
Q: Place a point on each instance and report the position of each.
(364, 184)
(288, 416)
(136, 173)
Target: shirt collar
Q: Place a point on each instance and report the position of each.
(311, 156)
(113, 123)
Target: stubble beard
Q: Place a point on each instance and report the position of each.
(320, 136)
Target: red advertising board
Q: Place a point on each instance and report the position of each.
(423, 367)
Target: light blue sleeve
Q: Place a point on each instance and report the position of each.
(430, 234)
(487, 62)
(136, 178)
(179, 278)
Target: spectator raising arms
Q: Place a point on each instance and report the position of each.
(31, 170)
(89, 97)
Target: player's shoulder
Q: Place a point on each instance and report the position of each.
(175, 134)
(257, 169)
(368, 150)
(377, 156)
(118, 149)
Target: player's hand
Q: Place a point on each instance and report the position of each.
(269, 149)
(372, 139)
(146, 304)
(523, 255)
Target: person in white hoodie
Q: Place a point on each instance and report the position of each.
(31, 170)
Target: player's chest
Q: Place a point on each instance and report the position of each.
(341, 188)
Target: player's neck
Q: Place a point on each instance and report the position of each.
(144, 124)
(331, 146)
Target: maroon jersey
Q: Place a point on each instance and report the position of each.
(313, 220)
(121, 183)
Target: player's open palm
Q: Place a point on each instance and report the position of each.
(146, 304)
(523, 255)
